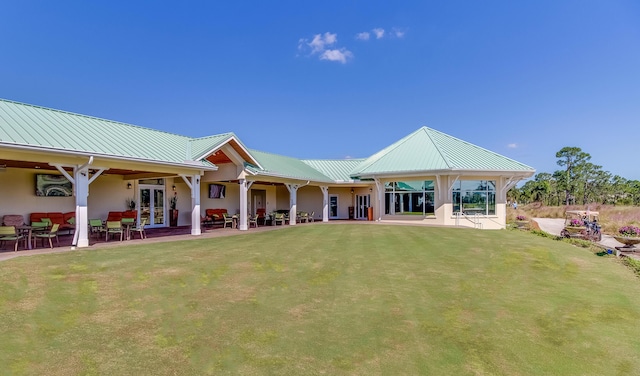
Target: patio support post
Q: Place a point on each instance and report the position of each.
(380, 190)
(293, 205)
(80, 181)
(81, 236)
(244, 191)
(194, 185)
(325, 203)
(249, 184)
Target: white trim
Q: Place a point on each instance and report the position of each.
(44, 150)
(253, 161)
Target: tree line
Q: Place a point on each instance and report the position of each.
(579, 182)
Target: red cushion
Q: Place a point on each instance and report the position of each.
(114, 216)
(37, 217)
(130, 214)
(56, 217)
(67, 216)
(215, 212)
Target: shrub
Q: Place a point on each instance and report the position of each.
(521, 218)
(629, 231)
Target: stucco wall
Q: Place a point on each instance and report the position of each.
(226, 171)
(231, 201)
(17, 195)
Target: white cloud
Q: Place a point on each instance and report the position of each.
(320, 41)
(321, 45)
(363, 36)
(512, 146)
(379, 32)
(341, 55)
(398, 33)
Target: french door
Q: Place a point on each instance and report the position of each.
(152, 205)
(362, 205)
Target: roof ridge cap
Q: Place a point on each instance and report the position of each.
(442, 154)
(388, 149)
(333, 159)
(211, 136)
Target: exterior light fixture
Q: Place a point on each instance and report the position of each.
(370, 190)
(174, 187)
(351, 190)
(129, 185)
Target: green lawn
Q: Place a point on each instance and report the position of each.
(323, 299)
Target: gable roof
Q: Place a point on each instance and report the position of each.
(205, 146)
(30, 126)
(429, 150)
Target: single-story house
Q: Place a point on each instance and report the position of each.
(57, 161)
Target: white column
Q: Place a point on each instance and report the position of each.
(81, 236)
(381, 192)
(325, 203)
(193, 182)
(242, 221)
(195, 205)
(80, 181)
(293, 204)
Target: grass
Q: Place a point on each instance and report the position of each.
(323, 299)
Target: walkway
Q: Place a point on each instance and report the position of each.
(554, 226)
(154, 236)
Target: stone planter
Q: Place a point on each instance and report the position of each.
(522, 224)
(629, 242)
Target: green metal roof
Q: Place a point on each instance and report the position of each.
(429, 150)
(201, 147)
(32, 126)
(285, 167)
(422, 151)
(336, 169)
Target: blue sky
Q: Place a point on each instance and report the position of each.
(336, 79)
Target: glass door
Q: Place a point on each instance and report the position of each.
(152, 205)
(333, 207)
(362, 204)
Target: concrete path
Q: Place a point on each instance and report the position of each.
(554, 226)
(9, 254)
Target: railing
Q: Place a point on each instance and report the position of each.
(476, 219)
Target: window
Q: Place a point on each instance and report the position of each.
(474, 197)
(409, 198)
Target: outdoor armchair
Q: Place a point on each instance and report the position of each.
(114, 227)
(96, 227)
(13, 220)
(53, 233)
(140, 228)
(253, 220)
(279, 217)
(227, 219)
(127, 224)
(9, 234)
